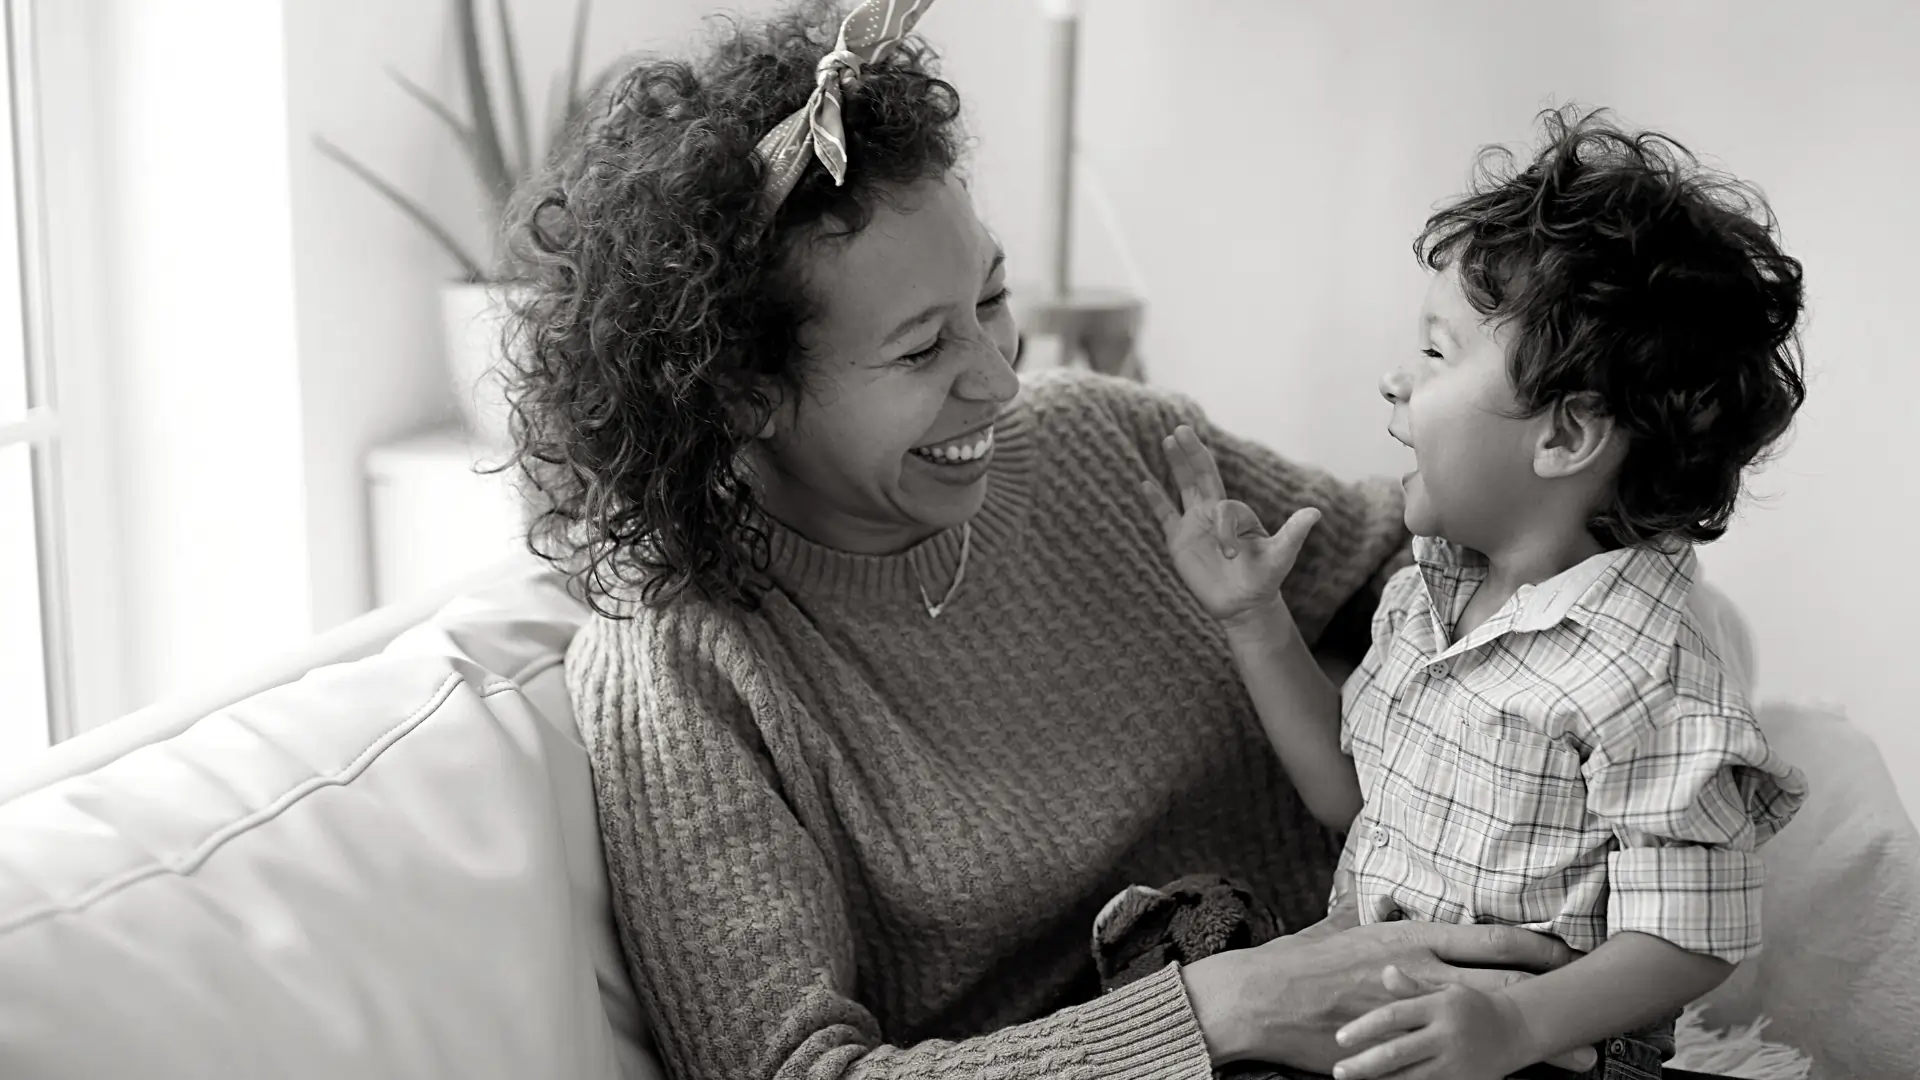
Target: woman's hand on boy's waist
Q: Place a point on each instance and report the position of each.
(1283, 1001)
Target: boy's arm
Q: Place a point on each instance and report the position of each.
(1300, 709)
(1630, 981)
(1457, 1031)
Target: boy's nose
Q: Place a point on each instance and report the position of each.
(1395, 385)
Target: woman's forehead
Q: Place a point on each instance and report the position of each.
(923, 249)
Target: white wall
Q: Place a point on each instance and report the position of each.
(1271, 161)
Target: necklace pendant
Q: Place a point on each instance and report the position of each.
(959, 575)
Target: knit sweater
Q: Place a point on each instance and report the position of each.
(849, 840)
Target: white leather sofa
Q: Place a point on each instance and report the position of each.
(390, 868)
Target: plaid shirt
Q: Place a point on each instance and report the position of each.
(1580, 764)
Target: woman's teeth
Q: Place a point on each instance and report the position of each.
(957, 452)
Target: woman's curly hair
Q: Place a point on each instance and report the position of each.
(661, 305)
(1629, 275)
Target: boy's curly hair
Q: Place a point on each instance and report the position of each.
(1626, 271)
(662, 305)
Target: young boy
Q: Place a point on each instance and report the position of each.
(1540, 735)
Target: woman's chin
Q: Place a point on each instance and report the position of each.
(948, 500)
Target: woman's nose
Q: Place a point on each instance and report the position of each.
(989, 376)
(1395, 385)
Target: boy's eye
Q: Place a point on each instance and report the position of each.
(1433, 353)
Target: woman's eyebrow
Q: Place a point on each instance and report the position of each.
(914, 322)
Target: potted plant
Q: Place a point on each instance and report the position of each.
(473, 305)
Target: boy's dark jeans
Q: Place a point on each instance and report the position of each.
(1639, 1056)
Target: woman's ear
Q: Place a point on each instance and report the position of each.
(757, 417)
(1577, 435)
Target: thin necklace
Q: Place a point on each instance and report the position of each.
(959, 575)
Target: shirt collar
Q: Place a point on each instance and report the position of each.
(1634, 597)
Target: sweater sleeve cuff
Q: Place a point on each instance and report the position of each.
(1703, 899)
(1146, 1030)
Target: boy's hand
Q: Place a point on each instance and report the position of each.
(1453, 1032)
(1219, 547)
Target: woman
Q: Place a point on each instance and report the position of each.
(898, 687)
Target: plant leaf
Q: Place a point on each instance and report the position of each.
(516, 91)
(575, 55)
(469, 266)
(435, 106)
(486, 131)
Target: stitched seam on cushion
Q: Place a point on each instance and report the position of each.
(200, 852)
(545, 663)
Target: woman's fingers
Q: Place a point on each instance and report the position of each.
(1167, 514)
(1504, 955)
(1390, 1057)
(1486, 946)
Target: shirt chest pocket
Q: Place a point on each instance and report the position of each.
(1520, 802)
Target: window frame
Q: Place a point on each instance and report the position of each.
(49, 71)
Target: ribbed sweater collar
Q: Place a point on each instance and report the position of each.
(809, 568)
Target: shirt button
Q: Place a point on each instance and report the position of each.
(1379, 836)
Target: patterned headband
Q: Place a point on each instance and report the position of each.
(869, 33)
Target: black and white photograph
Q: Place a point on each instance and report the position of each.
(959, 540)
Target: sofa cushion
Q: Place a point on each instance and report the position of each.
(376, 871)
(1840, 975)
(521, 629)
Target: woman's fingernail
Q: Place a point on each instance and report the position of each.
(1230, 551)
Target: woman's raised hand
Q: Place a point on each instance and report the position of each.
(1219, 546)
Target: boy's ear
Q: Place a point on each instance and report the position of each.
(1577, 435)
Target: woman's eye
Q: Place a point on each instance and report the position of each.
(998, 299)
(1433, 353)
(927, 354)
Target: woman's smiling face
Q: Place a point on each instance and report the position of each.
(908, 360)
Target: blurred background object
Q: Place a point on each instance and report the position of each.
(495, 93)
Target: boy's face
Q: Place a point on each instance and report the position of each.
(1454, 406)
